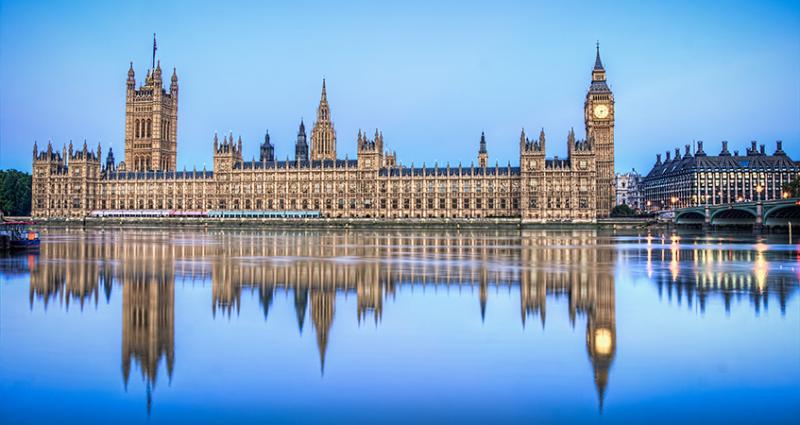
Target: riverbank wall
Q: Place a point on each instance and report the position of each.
(486, 223)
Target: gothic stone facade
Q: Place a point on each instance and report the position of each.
(579, 188)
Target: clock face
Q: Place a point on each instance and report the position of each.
(601, 111)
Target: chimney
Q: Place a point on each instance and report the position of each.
(753, 148)
(736, 153)
(762, 150)
(658, 159)
(687, 154)
(724, 149)
(677, 154)
(667, 159)
(700, 151)
(779, 148)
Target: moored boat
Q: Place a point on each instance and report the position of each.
(17, 235)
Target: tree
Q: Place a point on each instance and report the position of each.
(793, 187)
(15, 193)
(622, 210)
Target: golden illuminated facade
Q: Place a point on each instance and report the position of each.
(578, 188)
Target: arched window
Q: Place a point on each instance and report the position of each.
(136, 125)
(149, 128)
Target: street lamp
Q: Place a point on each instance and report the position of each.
(759, 189)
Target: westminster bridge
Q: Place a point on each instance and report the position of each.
(758, 215)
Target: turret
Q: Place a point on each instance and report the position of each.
(131, 79)
(301, 146)
(541, 140)
(267, 150)
(157, 75)
(173, 85)
(110, 163)
(370, 152)
(483, 154)
(227, 154)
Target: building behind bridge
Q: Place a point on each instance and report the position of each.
(701, 179)
(629, 189)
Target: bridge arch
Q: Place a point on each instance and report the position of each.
(733, 217)
(690, 217)
(782, 215)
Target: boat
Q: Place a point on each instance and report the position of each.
(17, 235)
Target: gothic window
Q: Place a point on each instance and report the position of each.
(149, 128)
(136, 127)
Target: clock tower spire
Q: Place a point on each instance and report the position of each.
(599, 118)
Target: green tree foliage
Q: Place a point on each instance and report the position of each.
(15, 193)
(793, 188)
(622, 210)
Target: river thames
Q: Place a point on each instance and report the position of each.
(399, 326)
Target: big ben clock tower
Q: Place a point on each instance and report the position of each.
(599, 117)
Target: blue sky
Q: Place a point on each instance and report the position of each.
(430, 75)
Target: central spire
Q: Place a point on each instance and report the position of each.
(323, 135)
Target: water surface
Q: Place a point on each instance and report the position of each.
(396, 326)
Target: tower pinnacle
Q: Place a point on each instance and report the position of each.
(598, 64)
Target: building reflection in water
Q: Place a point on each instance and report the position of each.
(693, 271)
(315, 266)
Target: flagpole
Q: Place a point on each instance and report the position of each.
(154, 50)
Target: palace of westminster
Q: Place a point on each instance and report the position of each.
(77, 182)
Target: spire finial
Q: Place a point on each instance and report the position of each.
(598, 64)
(324, 91)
